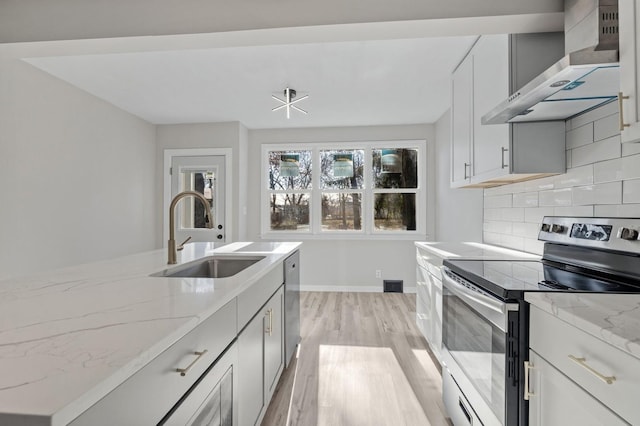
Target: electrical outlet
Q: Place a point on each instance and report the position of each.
(378, 273)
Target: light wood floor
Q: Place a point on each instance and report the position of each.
(362, 361)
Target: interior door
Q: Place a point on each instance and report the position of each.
(206, 175)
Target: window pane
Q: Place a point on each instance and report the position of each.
(289, 212)
(191, 211)
(341, 211)
(395, 212)
(395, 168)
(289, 170)
(342, 169)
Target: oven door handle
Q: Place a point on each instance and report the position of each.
(491, 308)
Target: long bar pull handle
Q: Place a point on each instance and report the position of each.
(503, 151)
(269, 329)
(622, 123)
(183, 371)
(465, 170)
(583, 363)
(527, 371)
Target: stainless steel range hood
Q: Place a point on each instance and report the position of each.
(583, 79)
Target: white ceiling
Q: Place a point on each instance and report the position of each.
(349, 83)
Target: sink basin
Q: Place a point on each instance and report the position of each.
(211, 267)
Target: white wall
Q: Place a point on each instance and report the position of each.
(207, 135)
(342, 264)
(602, 179)
(76, 174)
(458, 211)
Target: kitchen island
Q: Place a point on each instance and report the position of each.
(70, 337)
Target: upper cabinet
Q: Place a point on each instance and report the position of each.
(497, 154)
(629, 17)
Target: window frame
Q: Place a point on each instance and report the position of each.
(368, 230)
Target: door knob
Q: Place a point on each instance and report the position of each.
(219, 236)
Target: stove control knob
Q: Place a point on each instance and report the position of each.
(557, 229)
(545, 227)
(628, 234)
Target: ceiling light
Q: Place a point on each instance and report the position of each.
(288, 102)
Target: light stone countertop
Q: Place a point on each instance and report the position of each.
(613, 318)
(470, 250)
(68, 337)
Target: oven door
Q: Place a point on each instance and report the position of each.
(479, 349)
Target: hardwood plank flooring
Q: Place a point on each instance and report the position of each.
(362, 361)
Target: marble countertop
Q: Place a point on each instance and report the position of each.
(68, 337)
(471, 250)
(613, 318)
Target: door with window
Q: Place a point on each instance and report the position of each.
(206, 175)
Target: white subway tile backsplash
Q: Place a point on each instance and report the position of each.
(606, 149)
(573, 211)
(622, 210)
(568, 158)
(631, 167)
(607, 171)
(525, 199)
(536, 215)
(593, 115)
(515, 214)
(498, 227)
(556, 197)
(516, 243)
(575, 177)
(580, 136)
(630, 149)
(523, 229)
(604, 193)
(495, 201)
(631, 191)
(491, 238)
(606, 127)
(492, 214)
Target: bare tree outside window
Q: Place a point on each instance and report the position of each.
(341, 170)
(290, 209)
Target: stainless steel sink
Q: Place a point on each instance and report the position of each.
(211, 267)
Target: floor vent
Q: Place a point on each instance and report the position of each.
(392, 286)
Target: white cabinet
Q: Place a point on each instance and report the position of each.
(497, 154)
(461, 122)
(577, 379)
(556, 400)
(429, 300)
(629, 17)
(260, 360)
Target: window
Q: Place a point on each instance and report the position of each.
(349, 189)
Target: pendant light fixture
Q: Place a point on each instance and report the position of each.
(288, 102)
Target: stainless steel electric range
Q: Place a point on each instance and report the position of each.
(486, 320)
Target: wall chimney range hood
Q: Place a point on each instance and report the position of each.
(583, 79)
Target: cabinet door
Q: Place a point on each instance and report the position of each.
(461, 122)
(273, 342)
(556, 400)
(490, 87)
(629, 68)
(251, 371)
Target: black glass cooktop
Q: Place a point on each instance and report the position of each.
(509, 279)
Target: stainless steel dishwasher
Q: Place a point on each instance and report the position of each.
(291, 306)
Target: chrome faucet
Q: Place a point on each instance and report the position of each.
(172, 207)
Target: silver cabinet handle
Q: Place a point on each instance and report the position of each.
(583, 363)
(503, 151)
(465, 170)
(527, 371)
(622, 123)
(269, 329)
(183, 371)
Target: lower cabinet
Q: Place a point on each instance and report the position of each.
(556, 400)
(575, 378)
(429, 301)
(260, 360)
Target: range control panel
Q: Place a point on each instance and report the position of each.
(607, 233)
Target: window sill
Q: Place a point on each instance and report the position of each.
(294, 236)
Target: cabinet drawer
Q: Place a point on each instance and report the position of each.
(556, 340)
(159, 382)
(423, 321)
(252, 299)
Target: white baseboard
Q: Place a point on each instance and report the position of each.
(350, 288)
